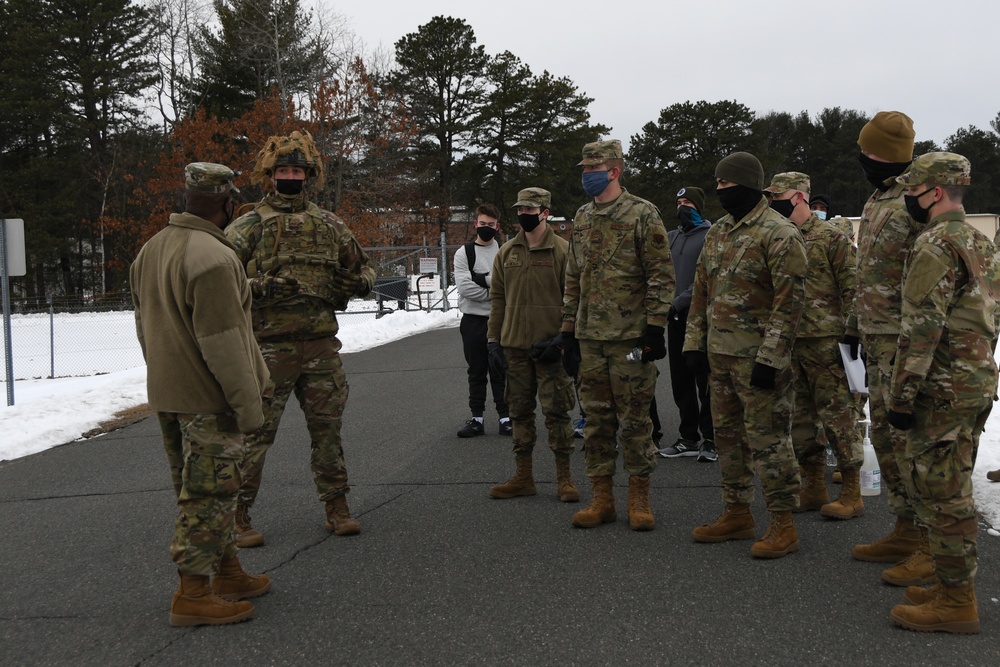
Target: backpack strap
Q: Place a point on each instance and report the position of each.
(470, 255)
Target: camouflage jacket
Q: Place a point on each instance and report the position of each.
(749, 288)
(885, 236)
(950, 316)
(298, 240)
(830, 280)
(619, 276)
(526, 292)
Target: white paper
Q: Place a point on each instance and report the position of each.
(855, 369)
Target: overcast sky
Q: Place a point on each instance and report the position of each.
(938, 62)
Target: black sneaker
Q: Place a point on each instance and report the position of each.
(707, 452)
(506, 428)
(471, 429)
(680, 448)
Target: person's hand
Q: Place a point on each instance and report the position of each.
(347, 283)
(904, 421)
(497, 360)
(269, 286)
(762, 376)
(480, 279)
(546, 351)
(853, 342)
(570, 353)
(654, 343)
(696, 361)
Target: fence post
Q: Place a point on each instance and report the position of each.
(52, 340)
(444, 272)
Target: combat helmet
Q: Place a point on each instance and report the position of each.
(297, 150)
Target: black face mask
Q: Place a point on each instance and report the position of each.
(529, 221)
(289, 186)
(878, 172)
(738, 200)
(783, 206)
(913, 207)
(486, 233)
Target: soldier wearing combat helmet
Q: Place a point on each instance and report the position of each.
(943, 382)
(303, 264)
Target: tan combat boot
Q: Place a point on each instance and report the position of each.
(195, 603)
(916, 570)
(568, 492)
(953, 610)
(602, 506)
(780, 540)
(640, 516)
(921, 595)
(837, 477)
(735, 523)
(849, 504)
(246, 536)
(894, 547)
(234, 583)
(520, 484)
(813, 494)
(338, 517)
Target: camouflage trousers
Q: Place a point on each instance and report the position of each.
(889, 443)
(527, 378)
(753, 431)
(823, 399)
(203, 452)
(937, 470)
(615, 395)
(314, 371)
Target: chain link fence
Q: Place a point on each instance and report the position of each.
(73, 337)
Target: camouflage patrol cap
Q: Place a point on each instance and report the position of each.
(788, 180)
(938, 168)
(532, 197)
(599, 152)
(209, 177)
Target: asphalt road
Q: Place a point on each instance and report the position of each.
(442, 573)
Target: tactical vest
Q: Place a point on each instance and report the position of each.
(300, 245)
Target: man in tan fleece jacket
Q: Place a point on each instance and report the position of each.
(205, 379)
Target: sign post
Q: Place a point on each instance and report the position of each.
(11, 264)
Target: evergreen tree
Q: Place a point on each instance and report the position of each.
(441, 76)
(682, 148)
(260, 45)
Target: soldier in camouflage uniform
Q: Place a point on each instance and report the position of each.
(619, 286)
(885, 236)
(303, 264)
(205, 379)
(526, 295)
(822, 395)
(745, 309)
(944, 382)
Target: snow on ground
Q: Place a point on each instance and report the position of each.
(50, 412)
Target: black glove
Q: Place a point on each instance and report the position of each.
(762, 376)
(480, 279)
(347, 283)
(497, 360)
(696, 361)
(269, 286)
(654, 343)
(570, 353)
(904, 421)
(546, 351)
(854, 342)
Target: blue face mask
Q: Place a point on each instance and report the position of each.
(820, 214)
(595, 182)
